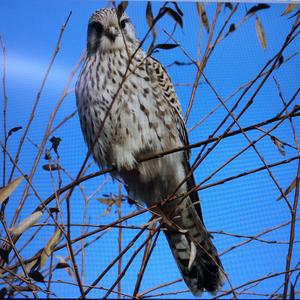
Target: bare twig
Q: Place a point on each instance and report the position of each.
(56, 50)
(4, 109)
(292, 235)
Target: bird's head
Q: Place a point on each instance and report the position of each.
(107, 33)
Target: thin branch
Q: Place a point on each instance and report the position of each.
(292, 235)
(56, 50)
(147, 253)
(129, 262)
(254, 281)
(256, 236)
(4, 109)
(97, 280)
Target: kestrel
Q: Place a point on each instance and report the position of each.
(128, 109)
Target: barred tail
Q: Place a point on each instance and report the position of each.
(194, 252)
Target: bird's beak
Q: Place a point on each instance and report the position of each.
(112, 33)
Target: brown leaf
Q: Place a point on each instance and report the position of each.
(121, 8)
(228, 5)
(166, 46)
(177, 8)
(53, 241)
(54, 210)
(202, 15)
(26, 223)
(279, 145)
(260, 33)
(257, 7)
(7, 190)
(37, 276)
(4, 254)
(290, 7)
(289, 189)
(55, 143)
(149, 18)
(173, 14)
(231, 28)
(15, 129)
(3, 293)
(26, 288)
(107, 201)
(62, 265)
(51, 167)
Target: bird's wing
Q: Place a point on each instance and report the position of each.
(162, 81)
(160, 76)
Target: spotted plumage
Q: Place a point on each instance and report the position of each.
(128, 108)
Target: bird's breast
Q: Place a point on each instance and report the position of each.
(123, 115)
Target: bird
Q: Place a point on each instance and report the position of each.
(128, 109)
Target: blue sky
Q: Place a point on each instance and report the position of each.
(246, 206)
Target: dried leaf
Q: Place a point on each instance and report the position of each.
(55, 143)
(202, 15)
(180, 63)
(166, 46)
(6, 191)
(26, 288)
(192, 255)
(260, 33)
(53, 241)
(177, 8)
(4, 254)
(257, 7)
(149, 14)
(229, 5)
(289, 189)
(3, 293)
(121, 8)
(15, 129)
(290, 7)
(26, 223)
(107, 201)
(51, 167)
(32, 265)
(53, 210)
(42, 260)
(62, 265)
(173, 14)
(37, 276)
(149, 18)
(231, 28)
(279, 145)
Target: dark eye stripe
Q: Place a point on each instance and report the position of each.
(97, 27)
(123, 22)
(95, 31)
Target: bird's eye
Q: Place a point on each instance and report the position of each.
(123, 23)
(97, 27)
